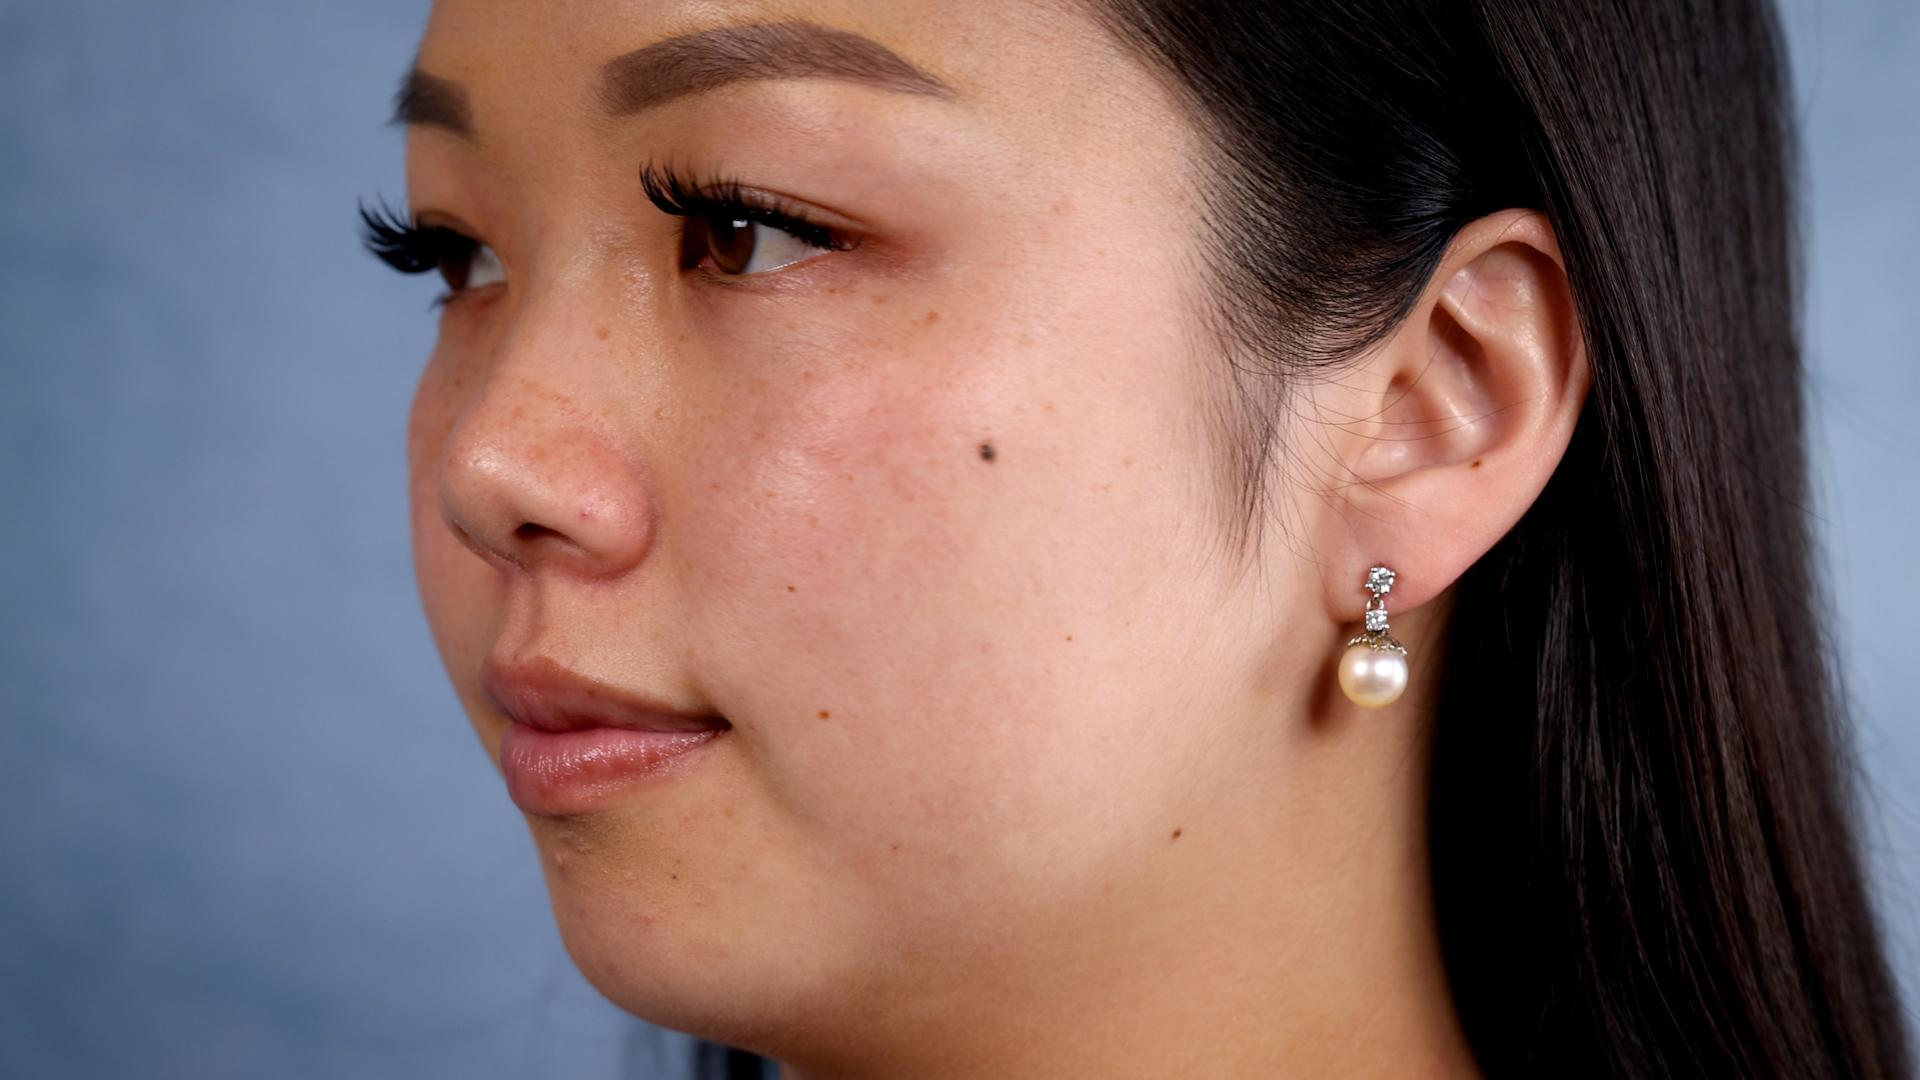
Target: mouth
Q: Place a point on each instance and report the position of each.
(577, 744)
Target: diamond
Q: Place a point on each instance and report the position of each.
(1377, 619)
(1380, 581)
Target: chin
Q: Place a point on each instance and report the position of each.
(650, 932)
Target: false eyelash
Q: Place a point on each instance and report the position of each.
(395, 238)
(722, 197)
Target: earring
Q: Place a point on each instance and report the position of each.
(1373, 670)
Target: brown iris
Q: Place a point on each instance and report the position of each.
(456, 265)
(729, 240)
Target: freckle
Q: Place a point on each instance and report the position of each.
(1176, 834)
(715, 485)
(519, 411)
(789, 588)
(676, 877)
(849, 476)
(1127, 462)
(1476, 464)
(880, 298)
(1069, 637)
(895, 847)
(824, 714)
(1046, 406)
(932, 317)
(602, 333)
(1061, 206)
(986, 451)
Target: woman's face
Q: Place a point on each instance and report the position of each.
(932, 516)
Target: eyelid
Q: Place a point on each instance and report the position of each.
(675, 192)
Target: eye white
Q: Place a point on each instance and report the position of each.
(483, 268)
(774, 248)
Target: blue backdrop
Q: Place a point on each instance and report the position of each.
(207, 608)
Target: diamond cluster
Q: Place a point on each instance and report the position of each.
(1380, 581)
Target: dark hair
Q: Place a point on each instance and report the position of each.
(1642, 851)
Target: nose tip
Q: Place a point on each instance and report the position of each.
(536, 488)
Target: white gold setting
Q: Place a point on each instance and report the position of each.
(1373, 671)
(1379, 583)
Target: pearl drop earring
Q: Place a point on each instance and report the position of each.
(1373, 670)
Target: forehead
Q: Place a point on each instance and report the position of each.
(989, 53)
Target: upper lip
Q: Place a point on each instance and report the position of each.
(542, 693)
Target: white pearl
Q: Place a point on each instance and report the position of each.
(1372, 677)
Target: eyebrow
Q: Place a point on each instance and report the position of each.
(431, 101)
(695, 63)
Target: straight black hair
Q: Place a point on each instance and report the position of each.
(1643, 851)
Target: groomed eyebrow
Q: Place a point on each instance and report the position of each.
(694, 63)
(431, 101)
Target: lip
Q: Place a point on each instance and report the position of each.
(576, 743)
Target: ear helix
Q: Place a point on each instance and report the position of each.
(1373, 670)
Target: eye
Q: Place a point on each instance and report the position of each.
(740, 246)
(401, 242)
(742, 233)
(477, 269)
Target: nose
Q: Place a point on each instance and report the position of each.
(533, 479)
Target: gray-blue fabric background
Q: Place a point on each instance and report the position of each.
(207, 613)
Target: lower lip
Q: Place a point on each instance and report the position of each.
(555, 773)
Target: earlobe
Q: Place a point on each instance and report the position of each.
(1450, 430)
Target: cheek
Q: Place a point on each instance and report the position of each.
(941, 648)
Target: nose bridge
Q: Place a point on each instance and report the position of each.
(538, 473)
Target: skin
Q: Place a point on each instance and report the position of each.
(1028, 775)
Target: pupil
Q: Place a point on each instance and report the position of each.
(730, 243)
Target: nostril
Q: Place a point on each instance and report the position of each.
(530, 530)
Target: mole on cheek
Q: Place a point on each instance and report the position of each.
(986, 451)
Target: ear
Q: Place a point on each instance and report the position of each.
(1447, 432)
